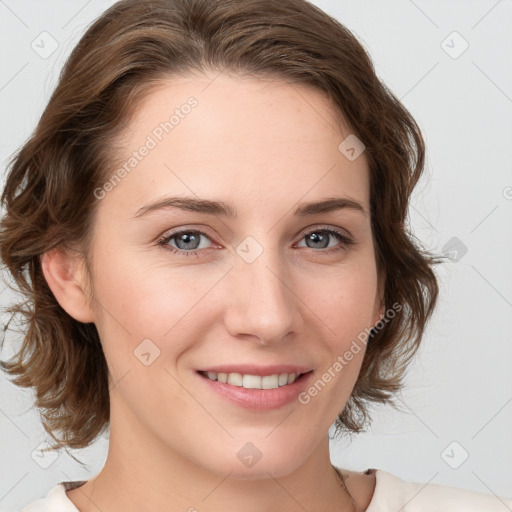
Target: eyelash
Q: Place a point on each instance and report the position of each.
(346, 241)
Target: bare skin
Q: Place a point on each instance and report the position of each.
(265, 147)
(361, 486)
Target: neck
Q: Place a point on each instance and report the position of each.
(141, 473)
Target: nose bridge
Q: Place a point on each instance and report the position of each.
(263, 303)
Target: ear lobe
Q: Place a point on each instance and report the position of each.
(66, 278)
(379, 315)
(380, 306)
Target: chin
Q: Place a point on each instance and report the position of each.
(249, 462)
(259, 471)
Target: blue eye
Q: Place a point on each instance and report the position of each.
(188, 242)
(187, 239)
(320, 236)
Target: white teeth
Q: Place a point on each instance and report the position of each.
(251, 382)
(254, 381)
(270, 381)
(235, 379)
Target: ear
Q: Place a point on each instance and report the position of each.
(380, 306)
(380, 313)
(65, 275)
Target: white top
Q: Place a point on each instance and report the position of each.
(390, 495)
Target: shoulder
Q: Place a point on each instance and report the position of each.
(394, 493)
(55, 500)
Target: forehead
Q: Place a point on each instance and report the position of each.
(249, 140)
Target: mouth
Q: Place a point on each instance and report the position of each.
(255, 386)
(252, 381)
(264, 389)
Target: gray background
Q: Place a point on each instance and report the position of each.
(455, 426)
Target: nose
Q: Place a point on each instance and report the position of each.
(263, 303)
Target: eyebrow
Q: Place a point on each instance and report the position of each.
(225, 209)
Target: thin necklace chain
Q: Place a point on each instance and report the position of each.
(342, 480)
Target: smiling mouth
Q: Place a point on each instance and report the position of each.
(248, 381)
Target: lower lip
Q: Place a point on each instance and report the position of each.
(259, 399)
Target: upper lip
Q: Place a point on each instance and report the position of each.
(252, 369)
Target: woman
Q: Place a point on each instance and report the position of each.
(208, 224)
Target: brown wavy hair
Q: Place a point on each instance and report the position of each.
(49, 192)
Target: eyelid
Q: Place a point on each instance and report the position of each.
(186, 229)
(205, 230)
(328, 227)
(345, 238)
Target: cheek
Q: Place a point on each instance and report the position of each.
(148, 309)
(345, 300)
(345, 314)
(146, 299)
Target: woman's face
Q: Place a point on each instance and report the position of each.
(262, 290)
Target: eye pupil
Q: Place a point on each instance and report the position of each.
(186, 239)
(317, 238)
